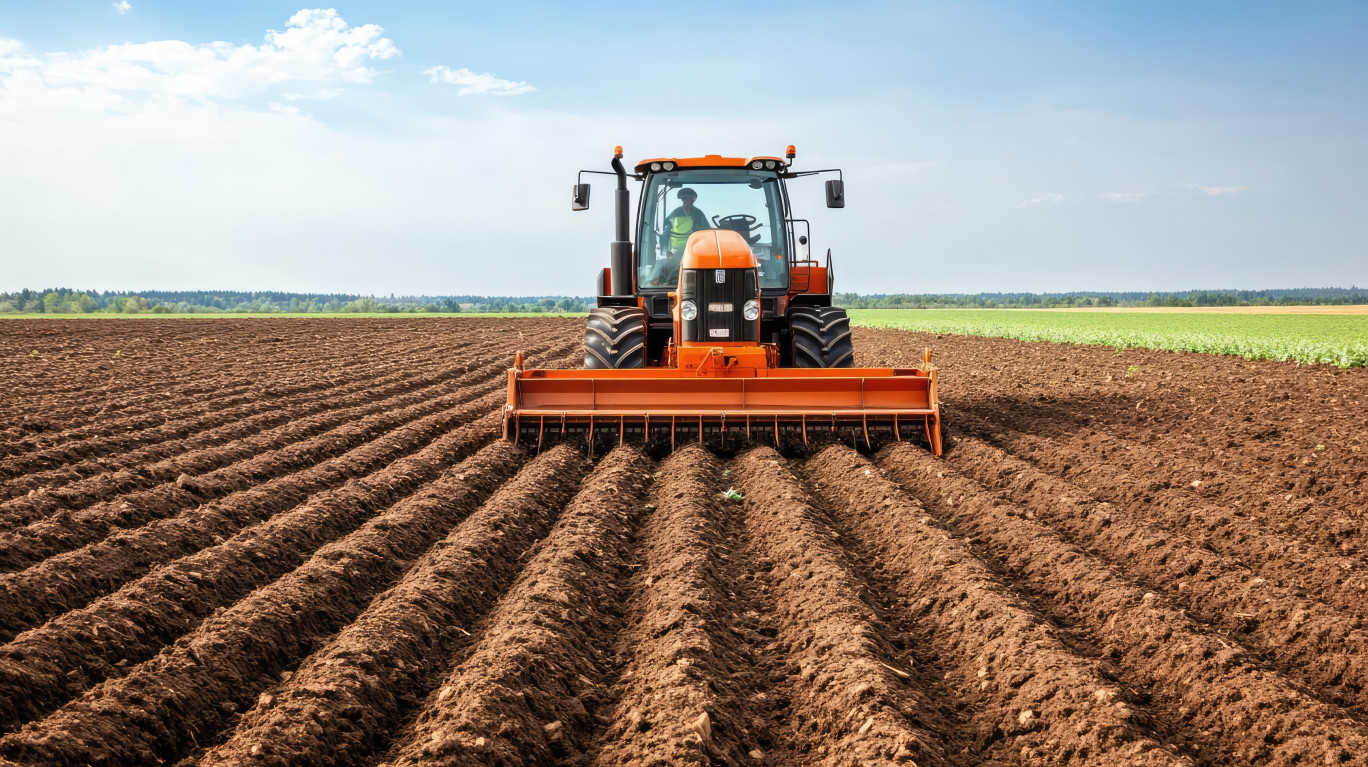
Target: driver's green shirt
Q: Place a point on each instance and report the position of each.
(679, 225)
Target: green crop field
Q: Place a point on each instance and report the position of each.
(1336, 339)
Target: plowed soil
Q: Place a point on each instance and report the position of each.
(279, 542)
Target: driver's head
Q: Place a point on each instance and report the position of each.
(687, 196)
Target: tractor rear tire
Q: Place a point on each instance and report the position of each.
(819, 337)
(615, 338)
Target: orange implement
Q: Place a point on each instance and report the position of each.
(887, 400)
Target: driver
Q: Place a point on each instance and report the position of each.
(682, 222)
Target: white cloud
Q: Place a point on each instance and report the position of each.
(476, 84)
(1214, 191)
(12, 58)
(1050, 199)
(316, 46)
(122, 7)
(1122, 196)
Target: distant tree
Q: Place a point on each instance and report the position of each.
(83, 303)
(56, 303)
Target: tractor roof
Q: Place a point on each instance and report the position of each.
(706, 161)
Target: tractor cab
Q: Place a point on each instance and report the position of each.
(677, 203)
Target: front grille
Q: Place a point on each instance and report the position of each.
(736, 287)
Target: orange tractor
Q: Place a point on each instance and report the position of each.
(713, 326)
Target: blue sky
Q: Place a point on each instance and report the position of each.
(427, 148)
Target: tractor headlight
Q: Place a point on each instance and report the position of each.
(751, 310)
(669, 166)
(655, 167)
(688, 310)
(758, 164)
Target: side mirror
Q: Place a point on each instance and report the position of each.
(835, 193)
(580, 197)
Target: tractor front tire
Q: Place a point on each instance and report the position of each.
(819, 337)
(615, 338)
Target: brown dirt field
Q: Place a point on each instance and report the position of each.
(300, 541)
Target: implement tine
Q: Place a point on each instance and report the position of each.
(541, 432)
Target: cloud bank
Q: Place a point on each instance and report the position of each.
(316, 46)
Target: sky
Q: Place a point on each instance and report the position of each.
(429, 148)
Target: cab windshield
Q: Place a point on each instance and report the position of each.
(680, 203)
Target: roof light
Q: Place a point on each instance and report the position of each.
(770, 164)
(617, 153)
(669, 166)
(757, 164)
(655, 167)
(791, 152)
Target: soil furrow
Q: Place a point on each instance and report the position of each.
(1340, 581)
(170, 369)
(236, 351)
(199, 398)
(1219, 453)
(100, 387)
(193, 689)
(1035, 701)
(47, 666)
(71, 580)
(242, 455)
(74, 484)
(193, 412)
(1278, 485)
(527, 691)
(849, 704)
(1230, 709)
(684, 654)
(374, 672)
(347, 429)
(1307, 638)
(1253, 432)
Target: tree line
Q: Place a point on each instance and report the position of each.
(69, 301)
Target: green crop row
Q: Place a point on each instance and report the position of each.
(1335, 339)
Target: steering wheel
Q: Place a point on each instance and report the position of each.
(739, 222)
